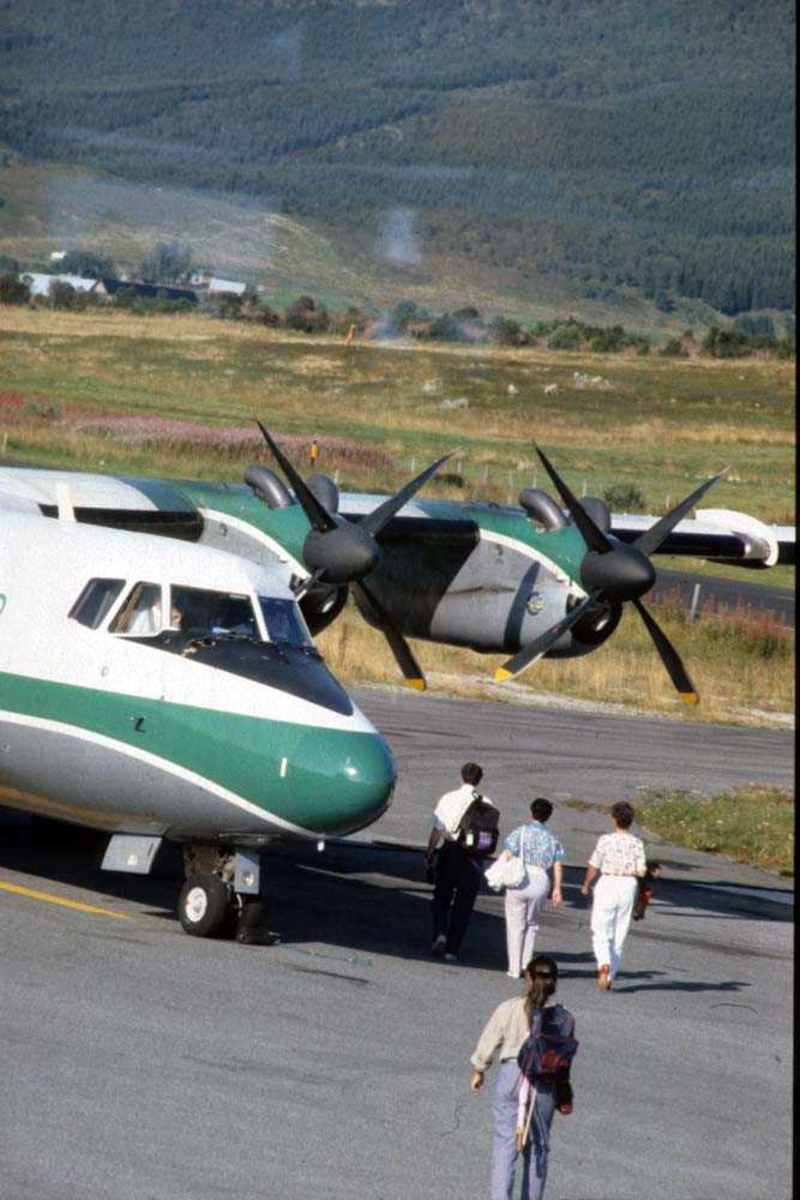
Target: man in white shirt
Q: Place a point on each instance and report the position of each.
(456, 872)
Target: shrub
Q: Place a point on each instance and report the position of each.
(566, 337)
(267, 316)
(609, 341)
(167, 261)
(305, 317)
(62, 295)
(13, 290)
(624, 497)
(674, 349)
(88, 263)
(230, 307)
(726, 343)
(505, 332)
(448, 329)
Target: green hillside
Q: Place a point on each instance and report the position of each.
(609, 147)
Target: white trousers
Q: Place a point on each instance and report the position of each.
(523, 905)
(611, 918)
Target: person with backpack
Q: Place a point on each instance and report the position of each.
(619, 859)
(540, 853)
(465, 822)
(535, 1040)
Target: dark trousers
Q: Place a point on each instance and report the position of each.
(458, 877)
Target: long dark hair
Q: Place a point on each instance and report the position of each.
(541, 977)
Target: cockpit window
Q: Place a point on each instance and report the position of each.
(212, 614)
(140, 615)
(284, 621)
(95, 601)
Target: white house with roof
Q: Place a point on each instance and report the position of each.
(40, 284)
(221, 287)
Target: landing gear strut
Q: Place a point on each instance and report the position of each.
(222, 893)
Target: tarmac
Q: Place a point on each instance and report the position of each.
(142, 1062)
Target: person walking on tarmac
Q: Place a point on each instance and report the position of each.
(456, 869)
(535, 1023)
(619, 860)
(540, 853)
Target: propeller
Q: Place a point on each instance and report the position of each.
(339, 552)
(613, 572)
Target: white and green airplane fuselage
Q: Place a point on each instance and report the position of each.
(215, 734)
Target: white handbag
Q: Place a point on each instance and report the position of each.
(505, 872)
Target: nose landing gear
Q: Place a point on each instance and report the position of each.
(223, 894)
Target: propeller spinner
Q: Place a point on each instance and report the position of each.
(612, 573)
(340, 553)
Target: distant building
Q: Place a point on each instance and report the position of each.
(225, 287)
(40, 284)
(146, 291)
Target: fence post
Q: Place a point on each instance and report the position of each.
(413, 466)
(486, 473)
(336, 476)
(695, 600)
(583, 492)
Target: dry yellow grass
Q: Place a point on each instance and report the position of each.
(735, 680)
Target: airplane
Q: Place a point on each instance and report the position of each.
(158, 690)
(549, 577)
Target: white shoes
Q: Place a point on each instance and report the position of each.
(437, 949)
(451, 958)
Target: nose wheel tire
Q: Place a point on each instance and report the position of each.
(204, 905)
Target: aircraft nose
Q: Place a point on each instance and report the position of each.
(347, 780)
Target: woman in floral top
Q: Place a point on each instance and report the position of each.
(619, 859)
(541, 853)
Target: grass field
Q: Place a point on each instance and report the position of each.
(751, 824)
(743, 669)
(70, 384)
(656, 423)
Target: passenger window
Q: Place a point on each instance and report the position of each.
(140, 615)
(95, 601)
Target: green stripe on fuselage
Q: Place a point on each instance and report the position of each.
(240, 753)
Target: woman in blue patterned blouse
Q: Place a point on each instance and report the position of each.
(541, 853)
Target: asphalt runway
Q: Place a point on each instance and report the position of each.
(141, 1062)
(758, 599)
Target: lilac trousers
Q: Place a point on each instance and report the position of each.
(523, 905)
(504, 1149)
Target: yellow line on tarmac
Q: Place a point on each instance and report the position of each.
(51, 899)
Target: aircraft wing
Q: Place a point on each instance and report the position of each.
(717, 533)
(139, 505)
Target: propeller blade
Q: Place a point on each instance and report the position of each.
(316, 512)
(534, 650)
(669, 657)
(397, 643)
(652, 538)
(374, 522)
(594, 537)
